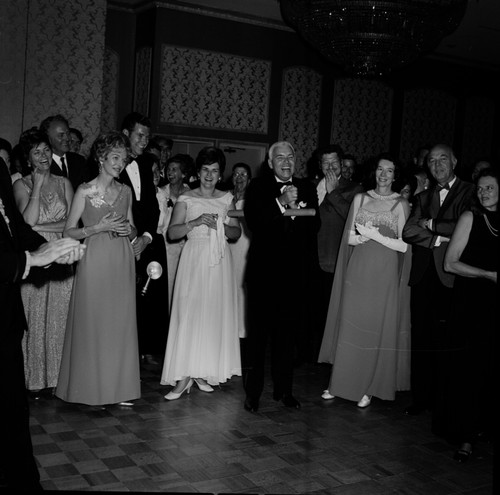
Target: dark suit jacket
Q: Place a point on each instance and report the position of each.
(13, 262)
(283, 250)
(333, 212)
(146, 212)
(77, 169)
(444, 219)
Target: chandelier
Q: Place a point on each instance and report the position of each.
(372, 38)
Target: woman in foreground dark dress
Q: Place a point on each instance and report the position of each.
(464, 411)
(100, 362)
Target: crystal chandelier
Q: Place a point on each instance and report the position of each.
(371, 38)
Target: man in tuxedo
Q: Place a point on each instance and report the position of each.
(152, 307)
(429, 228)
(281, 261)
(64, 162)
(21, 249)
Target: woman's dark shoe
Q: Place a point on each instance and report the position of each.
(251, 405)
(463, 453)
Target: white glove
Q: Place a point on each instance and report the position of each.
(374, 234)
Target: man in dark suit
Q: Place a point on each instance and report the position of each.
(64, 162)
(152, 307)
(428, 229)
(281, 261)
(335, 195)
(21, 249)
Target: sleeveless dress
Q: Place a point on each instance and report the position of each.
(464, 400)
(100, 362)
(46, 295)
(368, 348)
(239, 250)
(203, 334)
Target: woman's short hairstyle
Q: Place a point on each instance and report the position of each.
(30, 139)
(106, 142)
(491, 171)
(209, 155)
(244, 165)
(183, 161)
(372, 165)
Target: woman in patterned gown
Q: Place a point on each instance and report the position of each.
(363, 332)
(44, 201)
(100, 362)
(203, 344)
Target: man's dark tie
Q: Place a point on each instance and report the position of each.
(445, 186)
(64, 168)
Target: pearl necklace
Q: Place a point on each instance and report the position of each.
(492, 229)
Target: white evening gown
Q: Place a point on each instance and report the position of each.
(203, 334)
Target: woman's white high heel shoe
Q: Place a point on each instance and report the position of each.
(365, 401)
(203, 385)
(327, 395)
(176, 395)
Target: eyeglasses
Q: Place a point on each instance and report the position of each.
(240, 174)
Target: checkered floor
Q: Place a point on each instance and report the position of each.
(208, 443)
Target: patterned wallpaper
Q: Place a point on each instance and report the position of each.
(109, 101)
(362, 111)
(12, 60)
(478, 129)
(64, 63)
(428, 117)
(300, 112)
(143, 62)
(214, 90)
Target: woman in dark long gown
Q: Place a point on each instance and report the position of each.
(100, 362)
(465, 410)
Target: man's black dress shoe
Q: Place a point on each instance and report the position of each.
(463, 453)
(251, 405)
(288, 400)
(415, 409)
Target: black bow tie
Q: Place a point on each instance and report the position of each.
(287, 183)
(445, 186)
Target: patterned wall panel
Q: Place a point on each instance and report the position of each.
(65, 63)
(12, 61)
(143, 61)
(109, 118)
(300, 109)
(478, 129)
(362, 111)
(214, 90)
(428, 117)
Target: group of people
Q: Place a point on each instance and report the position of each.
(364, 276)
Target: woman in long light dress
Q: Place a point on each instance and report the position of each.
(203, 344)
(176, 171)
(44, 201)
(100, 362)
(241, 177)
(364, 338)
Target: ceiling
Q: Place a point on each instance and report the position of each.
(475, 42)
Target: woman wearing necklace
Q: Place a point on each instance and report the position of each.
(203, 345)
(362, 337)
(44, 200)
(464, 412)
(100, 362)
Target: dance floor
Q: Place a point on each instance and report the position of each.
(207, 443)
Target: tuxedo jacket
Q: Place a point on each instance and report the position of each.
(282, 250)
(444, 219)
(13, 245)
(146, 212)
(77, 169)
(333, 212)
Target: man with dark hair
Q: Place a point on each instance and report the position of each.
(152, 306)
(21, 249)
(64, 162)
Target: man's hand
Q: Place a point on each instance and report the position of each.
(331, 181)
(63, 251)
(289, 196)
(140, 244)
